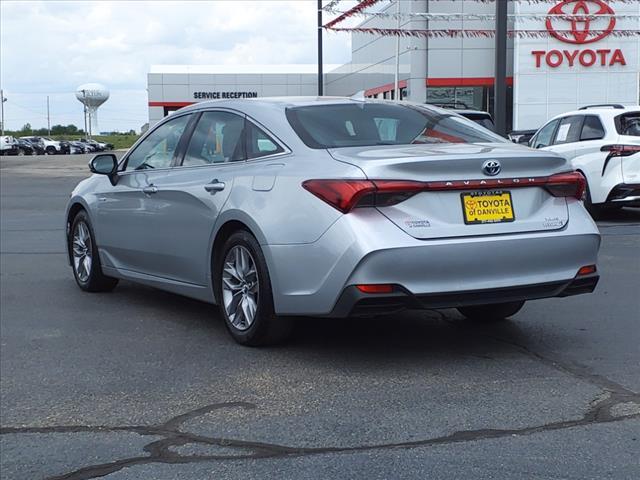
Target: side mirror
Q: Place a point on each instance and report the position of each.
(105, 164)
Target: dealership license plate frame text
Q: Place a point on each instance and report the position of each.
(479, 214)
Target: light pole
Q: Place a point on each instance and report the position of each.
(48, 117)
(320, 61)
(396, 87)
(2, 100)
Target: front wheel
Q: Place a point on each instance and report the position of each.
(493, 312)
(243, 290)
(84, 257)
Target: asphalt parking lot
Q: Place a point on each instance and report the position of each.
(141, 384)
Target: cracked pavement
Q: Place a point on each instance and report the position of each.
(141, 384)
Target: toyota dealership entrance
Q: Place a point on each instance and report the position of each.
(561, 55)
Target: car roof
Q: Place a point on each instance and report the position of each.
(606, 112)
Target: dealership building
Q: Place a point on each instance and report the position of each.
(554, 64)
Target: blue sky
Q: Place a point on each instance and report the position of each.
(50, 48)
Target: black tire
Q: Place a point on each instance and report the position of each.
(95, 281)
(50, 150)
(21, 152)
(266, 328)
(491, 313)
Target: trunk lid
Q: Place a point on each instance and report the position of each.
(438, 214)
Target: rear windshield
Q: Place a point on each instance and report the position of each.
(368, 124)
(628, 124)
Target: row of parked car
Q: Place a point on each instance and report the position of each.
(46, 146)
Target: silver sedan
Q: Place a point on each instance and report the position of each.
(276, 208)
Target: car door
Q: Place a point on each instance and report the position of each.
(128, 221)
(196, 189)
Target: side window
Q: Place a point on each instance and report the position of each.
(158, 149)
(545, 135)
(568, 130)
(592, 128)
(259, 144)
(387, 128)
(216, 139)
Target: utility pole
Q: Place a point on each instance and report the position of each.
(48, 117)
(320, 74)
(396, 88)
(500, 82)
(2, 100)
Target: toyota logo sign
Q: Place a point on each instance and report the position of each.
(580, 30)
(491, 168)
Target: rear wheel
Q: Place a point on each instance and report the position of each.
(243, 290)
(84, 257)
(491, 313)
(50, 151)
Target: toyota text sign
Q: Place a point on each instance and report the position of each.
(578, 23)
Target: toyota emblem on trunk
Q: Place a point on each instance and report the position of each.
(491, 167)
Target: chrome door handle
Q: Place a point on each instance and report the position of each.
(150, 190)
(214, 186)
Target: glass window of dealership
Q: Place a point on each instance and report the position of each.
(559, 69)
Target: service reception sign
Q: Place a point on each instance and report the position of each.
(572, 53)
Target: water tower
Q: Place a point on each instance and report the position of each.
(91, 95)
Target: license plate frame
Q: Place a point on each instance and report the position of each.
(471, 217)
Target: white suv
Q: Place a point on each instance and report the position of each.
(602, 142)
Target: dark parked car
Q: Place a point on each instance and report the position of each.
(25, 147)
(97, 146)
(480, 117)
(65, 147)
(522, 136)
(38, 145)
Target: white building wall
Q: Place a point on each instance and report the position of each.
(172, 90)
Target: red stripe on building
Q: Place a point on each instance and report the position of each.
(170, 104)
(464, 82)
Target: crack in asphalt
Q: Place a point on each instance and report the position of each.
(159, 451)
(601, 410)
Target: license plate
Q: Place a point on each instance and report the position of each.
(492, 206)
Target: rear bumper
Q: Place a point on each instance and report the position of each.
(353, 302)
(364, 247)
(625, 194)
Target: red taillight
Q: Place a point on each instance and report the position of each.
(346, 194)
(586, 270)
(375, 288)
(617, 151)
(620, 150)
(341, 194)
(570, 184)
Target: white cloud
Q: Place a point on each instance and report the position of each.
(49, 48)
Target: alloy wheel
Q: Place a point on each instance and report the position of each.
(82, 251)
(240, 287)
